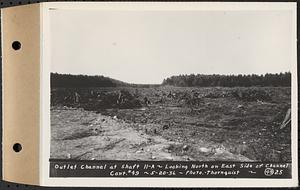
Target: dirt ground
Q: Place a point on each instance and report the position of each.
(172, 123)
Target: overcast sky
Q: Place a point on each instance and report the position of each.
(148, 46)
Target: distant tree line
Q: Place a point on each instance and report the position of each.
(281, 79)
(80, 81)
(85, 81)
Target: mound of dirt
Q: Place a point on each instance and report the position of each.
(94, 101)
(74, 136)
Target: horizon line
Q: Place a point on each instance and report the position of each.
(95, 75)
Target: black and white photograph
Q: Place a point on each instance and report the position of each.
(168, 85)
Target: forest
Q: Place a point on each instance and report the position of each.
(192, 80)
(199, 80)
(77, 81)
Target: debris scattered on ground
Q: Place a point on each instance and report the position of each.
(121, 99)
(287, 119)
(252, 94)
(204, 124)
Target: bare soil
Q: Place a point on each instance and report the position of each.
(177, 123)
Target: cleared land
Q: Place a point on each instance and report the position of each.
(171, 123)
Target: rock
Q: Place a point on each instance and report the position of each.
(95, 131)
(203, 149)
(169, 158)
(220, 149)
(115, 117)
(185, 148)
(69, 156)
(240, 106)
(243, 148)
(165, 127)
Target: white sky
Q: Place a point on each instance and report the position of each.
(148, 46)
